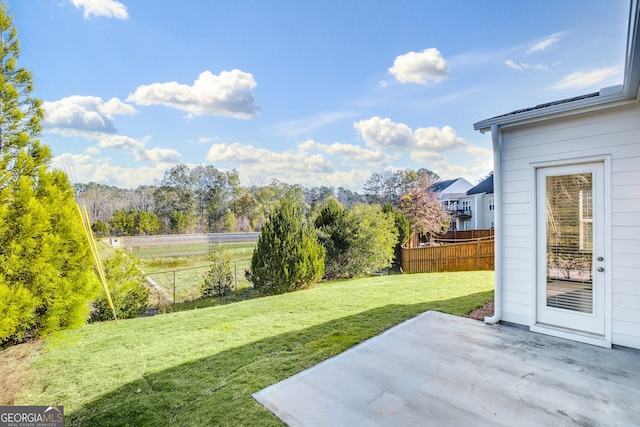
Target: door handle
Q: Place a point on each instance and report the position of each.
(600, 269)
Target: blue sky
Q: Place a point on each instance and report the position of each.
(308, 92)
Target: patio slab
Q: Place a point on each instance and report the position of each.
(438, 369)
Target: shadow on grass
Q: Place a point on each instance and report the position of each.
(216, 390)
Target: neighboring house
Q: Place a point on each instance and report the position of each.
(567, 224)
(450, 192)
(476, 207)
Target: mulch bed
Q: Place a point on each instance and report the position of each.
(482, 312)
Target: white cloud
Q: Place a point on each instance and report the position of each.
(426, 145)
(107, 8)
(115, 106)
(84, 114)
(162, 155)
(582, 79)
(85, 168)
(385, 134)
(306, 125)
(438, 140)
(228, 94)
(524, 66)
(286, 161)
(295, 166)
(90, 118)
(126, 143)
(348, 152)
(422, 68)
(546, 42)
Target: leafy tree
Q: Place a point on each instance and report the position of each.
(123, 221)
(176, 194)
(229, 222)
(402, 226)
(288, 256)
(425, 212)
(357, 241)
(100, 228)
(219, 278)
(180, 222)
(126, 284)
(147, 223)
(133, 221)
(388, 187)
(46, 272)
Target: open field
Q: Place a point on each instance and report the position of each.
(199, 367)
(179, 269)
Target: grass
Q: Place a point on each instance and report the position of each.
(200, 367)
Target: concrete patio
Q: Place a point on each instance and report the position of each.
(442, 370)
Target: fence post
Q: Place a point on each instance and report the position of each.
(174, 286)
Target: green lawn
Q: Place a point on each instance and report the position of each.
(200, 367)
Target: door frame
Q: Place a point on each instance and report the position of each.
(534, 326)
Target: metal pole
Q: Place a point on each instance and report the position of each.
(174, 286)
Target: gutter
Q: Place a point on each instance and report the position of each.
(496, 139)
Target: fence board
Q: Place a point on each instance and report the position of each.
(468, 256)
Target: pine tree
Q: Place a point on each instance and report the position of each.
(46, 273)
(288, 255)
(21, 113)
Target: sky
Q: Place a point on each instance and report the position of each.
(317, 93)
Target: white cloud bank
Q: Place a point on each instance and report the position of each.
(306, 164)
(91, 118)
(106, 8)
(85, 168)
(312, 163)
(422, 68)
(228, 94)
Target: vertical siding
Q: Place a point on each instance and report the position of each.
(614, 132)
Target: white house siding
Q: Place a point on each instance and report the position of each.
(614, 132)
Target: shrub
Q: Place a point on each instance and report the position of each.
(218, 279)
(358, 241)
(288, 255)
(126, 285)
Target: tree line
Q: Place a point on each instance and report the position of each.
(204, 199)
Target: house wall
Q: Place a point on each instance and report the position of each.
(614, 132)
(481, 215)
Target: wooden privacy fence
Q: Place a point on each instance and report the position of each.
(476, 255)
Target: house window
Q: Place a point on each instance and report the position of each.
(491, 204)
(466, 205)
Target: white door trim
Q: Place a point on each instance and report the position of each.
(534, 326)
